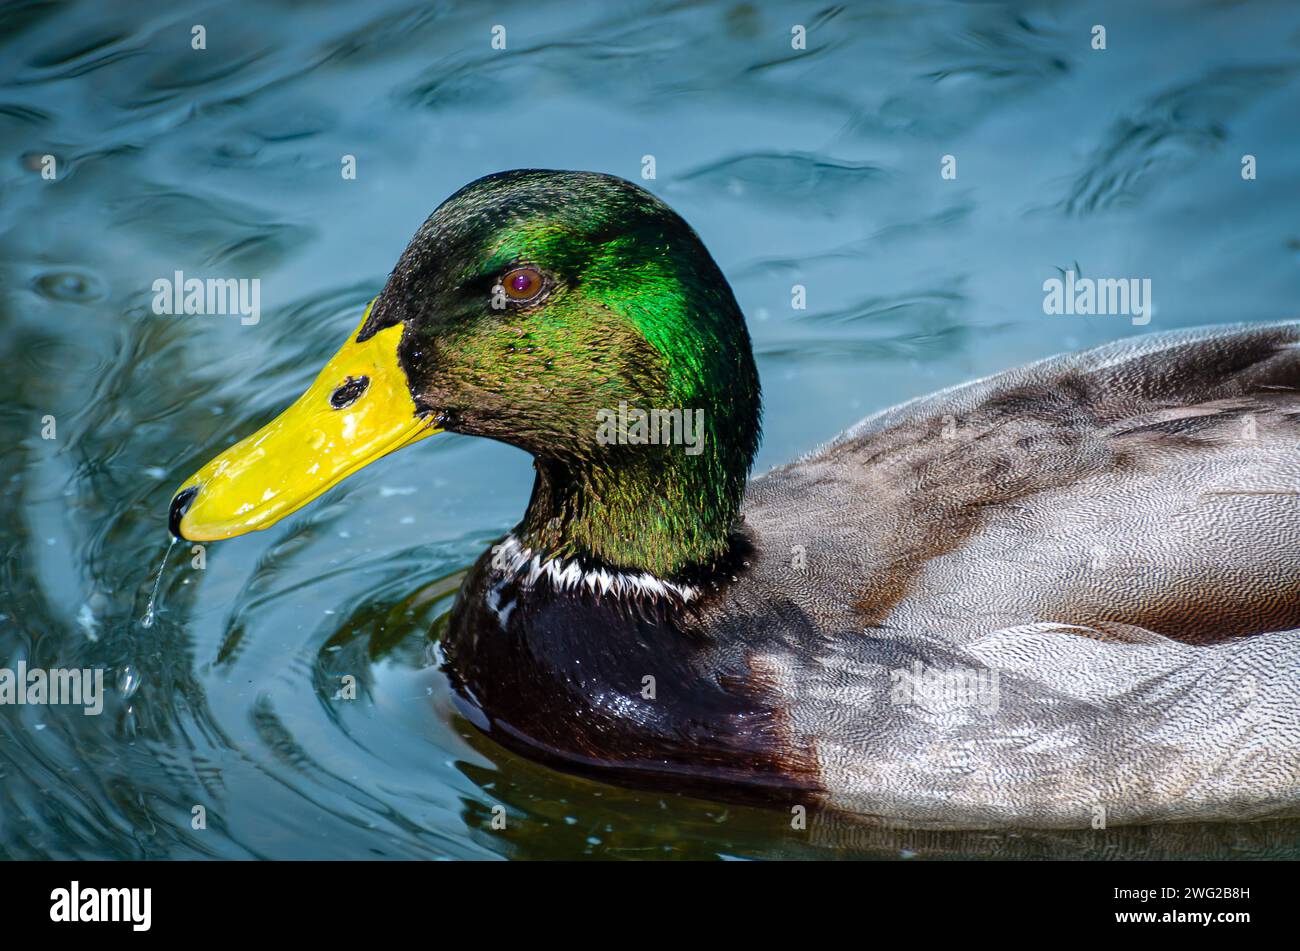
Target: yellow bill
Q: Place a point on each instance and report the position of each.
(359, 409)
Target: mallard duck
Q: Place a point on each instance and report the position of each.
(1059, 596)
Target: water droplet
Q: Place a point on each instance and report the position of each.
(88, 622)
(68, 286)
(149, 614)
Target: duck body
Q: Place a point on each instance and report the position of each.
(1067, 595)
(1107, 542)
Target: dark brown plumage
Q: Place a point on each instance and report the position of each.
(1113, 536)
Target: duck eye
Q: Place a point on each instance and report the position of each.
(349, 391)
(522, 283)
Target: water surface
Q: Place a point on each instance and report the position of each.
(817, 167)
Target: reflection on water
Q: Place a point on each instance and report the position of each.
(817, 167)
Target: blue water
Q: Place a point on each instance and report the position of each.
(816, 167)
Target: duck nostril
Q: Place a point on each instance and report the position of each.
(349, 391)
(180, 505)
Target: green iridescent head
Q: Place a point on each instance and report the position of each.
(576, 316)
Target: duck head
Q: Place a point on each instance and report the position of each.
(570, 314)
